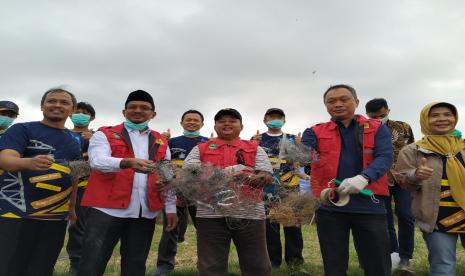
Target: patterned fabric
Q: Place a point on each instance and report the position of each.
(401, 135)
(451, 217)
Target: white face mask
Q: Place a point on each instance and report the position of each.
(384, 120)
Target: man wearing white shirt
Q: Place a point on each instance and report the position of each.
(125, 194)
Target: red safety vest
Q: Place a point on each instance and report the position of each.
(222, 155)
(329, 149)
(113, 189)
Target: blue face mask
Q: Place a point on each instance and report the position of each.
(135, 126)
(275, 124)
(5, 122)
(191, 133)
(80, 120)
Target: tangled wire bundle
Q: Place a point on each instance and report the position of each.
(214, 188)
(292, 208)
(296, 153)
(79, 169)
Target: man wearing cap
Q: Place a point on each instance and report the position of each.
(36, 187)
(284, 179)
(245, 225)
(81, 118)
(191, 122)
(8, 113)
(358, 152)
(124, 193)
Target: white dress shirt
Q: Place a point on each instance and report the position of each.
(100, 159)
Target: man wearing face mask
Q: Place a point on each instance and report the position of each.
(81, 118)
(125, 194)
(8, 113)
(180, 147)
(401, 135)
(284, 179)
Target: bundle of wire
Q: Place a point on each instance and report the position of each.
(216, 188)
(291, 207)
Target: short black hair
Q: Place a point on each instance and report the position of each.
(87, 107)
(337, 86)
(58, 90)
(376, 104)
(191, 111)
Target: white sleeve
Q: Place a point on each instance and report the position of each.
(100, 154)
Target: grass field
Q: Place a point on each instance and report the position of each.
(187, 257)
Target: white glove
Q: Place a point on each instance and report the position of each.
(353, 185)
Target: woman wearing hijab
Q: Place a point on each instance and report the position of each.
(433, 170)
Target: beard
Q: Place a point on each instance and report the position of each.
(54, 118)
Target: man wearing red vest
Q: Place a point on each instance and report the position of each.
(245, 225)
(124, 193)
(358, 152)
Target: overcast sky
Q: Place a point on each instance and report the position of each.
(249, 55)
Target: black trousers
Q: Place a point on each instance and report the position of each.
(102, 234)
(214, 237)
(76, 232)
(182, 221)
(404, 244)
(169, 239)
(370, 236)
(30, 247)
(293, 244)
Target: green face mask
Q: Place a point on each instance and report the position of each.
(275, 124)
(135, 126)
(80, 120)
(5, 122)
(191, 133)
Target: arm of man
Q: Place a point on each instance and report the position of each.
(193, 159)
(309, 139)
(383, 155)
(263, 169)
(100, 157)
(12, 146)
(170, 201)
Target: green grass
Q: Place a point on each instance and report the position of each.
(186, 258)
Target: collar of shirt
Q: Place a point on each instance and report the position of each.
(146, 131)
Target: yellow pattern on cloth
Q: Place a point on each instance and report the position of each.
(448, 146)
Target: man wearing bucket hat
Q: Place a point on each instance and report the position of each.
(245, 225)
(9, 111)
(357, 152)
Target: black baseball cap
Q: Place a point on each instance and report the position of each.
(228, 111)
(7, 105)
(275, 110)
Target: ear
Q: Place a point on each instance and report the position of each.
(154, 114)
(92, 118)
(357, 101)
(242, 127)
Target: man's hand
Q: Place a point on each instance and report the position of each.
(39, 162)
(167, 133)
(257, 137)
(87, 134)
(423, 172)
(72, 217)
(298, 137)
(139, 165)
(353, 185)
(171, 221)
